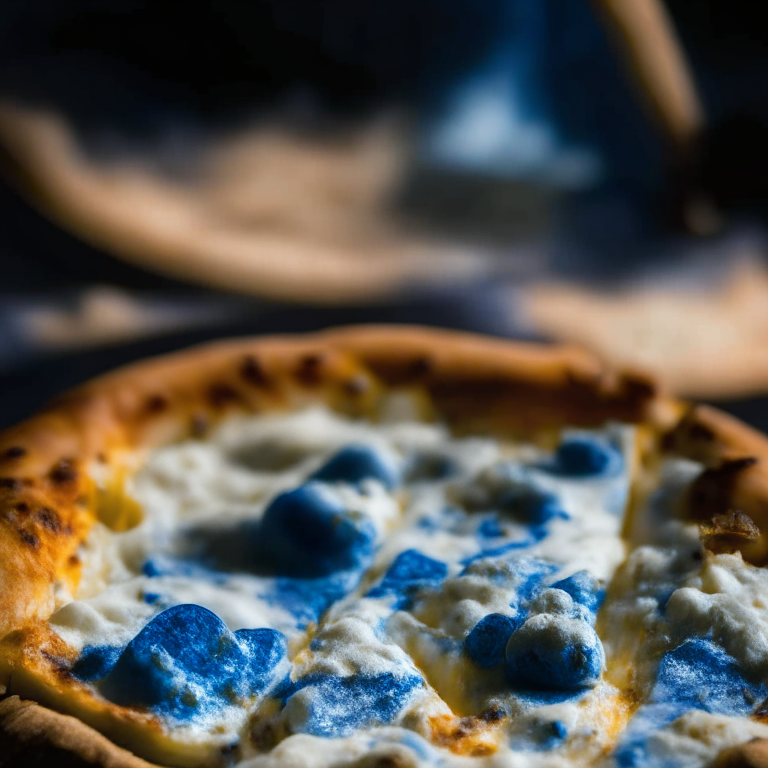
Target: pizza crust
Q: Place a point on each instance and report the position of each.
(48, 499)
(33, 736)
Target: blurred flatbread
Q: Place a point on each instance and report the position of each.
(709, 343)
(262, 211)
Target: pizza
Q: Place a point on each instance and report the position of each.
(382, 548)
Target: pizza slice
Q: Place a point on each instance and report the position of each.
(381, 547)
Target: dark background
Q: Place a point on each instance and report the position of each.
(134, 76)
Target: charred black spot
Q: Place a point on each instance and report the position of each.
(22, 507)
(63, 472)
(156, 404)
(712, 490)
(421, 366)
(221, 394)
(640, 387)
(309, 371)
(14, 452)
(733, 466)
(252, 371)
(701, 432)
(395, 760)
(49, 519)
(30, 539)
(10, 483)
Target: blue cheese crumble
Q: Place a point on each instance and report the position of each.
(309, 590)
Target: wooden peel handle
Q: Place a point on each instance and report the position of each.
(658, 62)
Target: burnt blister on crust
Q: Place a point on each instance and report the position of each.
(252, 371)
(10, 484)
(156, 404)
(711, 493)
(222, 394)
(421, 367)
(29, 539)
(63, 472)
(49, 519)
(726, 533)
(310, 369)
(14, 452)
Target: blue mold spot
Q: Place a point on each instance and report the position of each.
(265, 649)
(152, 569)
(696, 675)
(524, 575)
(162, 565)
(410, 571)
(700, 675)
(487, 641)
(552, 652)
(532, 505)
(585, 456)
(356, 463)
(540, 737)
(490, 529)
(95, 662)
(308, 533)
(308, 599)
(584, 588)
(186, 663)
(528, 576)
(499, 551)
(558, 730)
(152, 598)
(338, 706)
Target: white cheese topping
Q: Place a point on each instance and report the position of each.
(437, 607)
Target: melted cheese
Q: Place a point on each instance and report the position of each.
(378, 660)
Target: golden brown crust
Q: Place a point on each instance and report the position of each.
(32, 736)
(48, 499)
(753, 754)
(730, 497)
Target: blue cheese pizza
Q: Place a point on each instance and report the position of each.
(382, 548)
